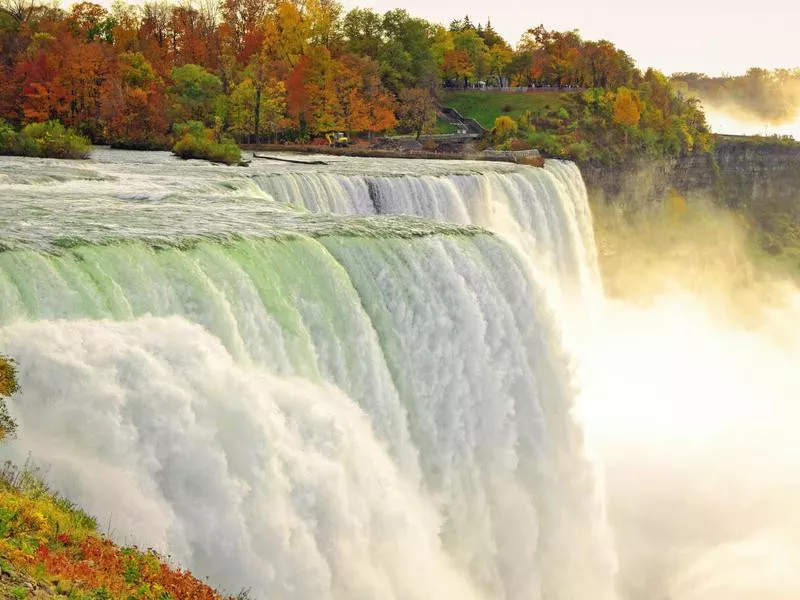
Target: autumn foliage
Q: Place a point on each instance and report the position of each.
(296, 69)
(126, 76)
(8, 386)
(46, 537)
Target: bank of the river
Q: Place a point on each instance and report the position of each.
(444, 149)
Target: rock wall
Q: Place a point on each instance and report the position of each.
(762, 179)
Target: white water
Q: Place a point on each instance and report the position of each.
(311, 405)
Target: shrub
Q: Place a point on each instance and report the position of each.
(52, 140)
(579, 151)
(517, 145)
(525, 122)
(544, 142)
(194, 140)
(8, 385)
(47, 140)
(504, 127)
(430, 146)
(532, 161)
(8, 137)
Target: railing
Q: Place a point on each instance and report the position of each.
(470, 124)
(519, 89)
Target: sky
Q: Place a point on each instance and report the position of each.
(710, 36)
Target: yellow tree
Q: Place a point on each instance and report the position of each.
(457, 65)
(627, 109)
(286, 33)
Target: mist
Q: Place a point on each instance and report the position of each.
(690, 400)
(760, 102)
(731, 120)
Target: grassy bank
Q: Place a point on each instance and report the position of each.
(485, 107)
(50, 548)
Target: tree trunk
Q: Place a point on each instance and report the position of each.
(258, 110)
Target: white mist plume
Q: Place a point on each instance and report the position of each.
(224, 465)
(692, 401)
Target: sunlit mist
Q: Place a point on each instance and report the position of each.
(693, 408)
(730, 123)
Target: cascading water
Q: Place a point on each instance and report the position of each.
(261, 373)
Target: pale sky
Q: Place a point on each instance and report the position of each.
(712, 36)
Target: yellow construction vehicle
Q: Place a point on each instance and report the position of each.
(338, 139)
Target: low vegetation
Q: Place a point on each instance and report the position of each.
(758, 141)
(52, 546)
(194, 140)
(49, 139)
(8, 386)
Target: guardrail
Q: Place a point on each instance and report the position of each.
(519, 89)
(471, 124)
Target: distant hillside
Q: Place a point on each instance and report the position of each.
(597, 125)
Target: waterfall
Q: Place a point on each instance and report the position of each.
(555, 230)
(316, 383)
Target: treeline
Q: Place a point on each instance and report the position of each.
(644, 119)
(758, 95)
(290, 69)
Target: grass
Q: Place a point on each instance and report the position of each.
(443, 127)
(49, 545)
(485, 107)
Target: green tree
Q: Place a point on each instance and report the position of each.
(252, 110)
(469, 42)
(363, 32)
(414, 38)
(195, 94)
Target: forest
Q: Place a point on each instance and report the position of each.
(290, 70)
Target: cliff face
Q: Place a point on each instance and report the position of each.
(763, 179)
